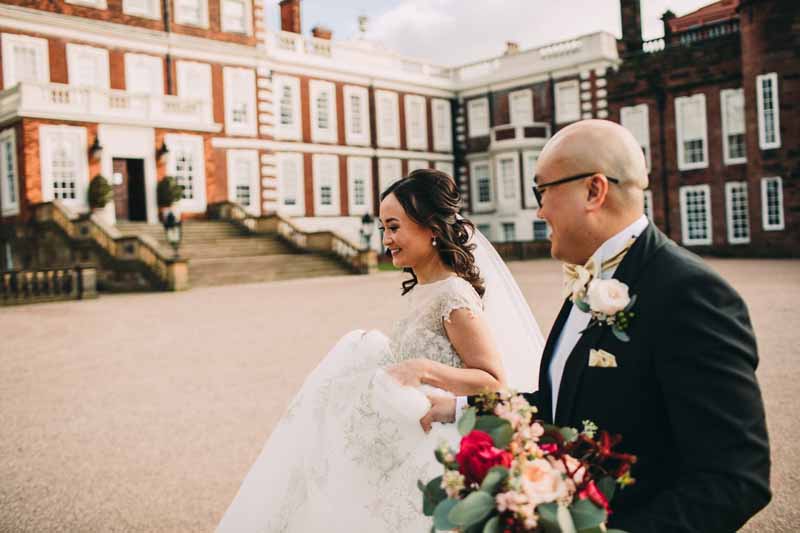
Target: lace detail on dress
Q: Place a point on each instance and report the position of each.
(421, 333)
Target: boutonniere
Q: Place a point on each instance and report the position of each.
(609, 303)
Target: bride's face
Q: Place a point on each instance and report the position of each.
(408, 242)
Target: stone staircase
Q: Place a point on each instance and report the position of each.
(219, 253)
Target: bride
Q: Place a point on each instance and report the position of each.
(348, 452)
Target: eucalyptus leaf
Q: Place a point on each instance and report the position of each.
(582, 305)
(494, 478)
(472, 509)
(498, 428)
(592, 530)
(548, 517)
(631, 303)
(621, 335)
(434, 493)
(440, 520)
(587, 515)
(608, 486)
(565, 521)
(493, 525)
(421, 486)
(467, 421)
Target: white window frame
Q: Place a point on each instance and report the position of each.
(648, 204)
(765, 204)
(251, 156)
(539, 222)
(391, 138)
(97, 4)
(730, 188)
(295, 159)
(49, 134)
(680, 102)
(565, 115)
(529, 158)
(445, 166)
(10, 206)
(514, 108)
(74, 51)
(202, 23)
(441, 115)
(390, 170)
(323, 135)
(478, 205)
(154, 64)
(684, 191)
(505, 197)
(351, 137)
(416, 138)
(40, 47)
(636, 119)
(293, 131)
(478, 119)
(359, 168)
(153, 13)
(319, 162)
(513, 226)
(196, 145)
(763, 143)
(724, 97)
(248, 18)
(416, 164)
(240, 86)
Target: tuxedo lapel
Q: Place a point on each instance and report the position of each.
(628, 272)
(545, 387)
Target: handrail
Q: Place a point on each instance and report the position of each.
(171, 273)
(47, 285)
(348, 253)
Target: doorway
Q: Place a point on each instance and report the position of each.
(129, 189)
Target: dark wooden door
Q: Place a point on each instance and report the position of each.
(120, 181)
(137, 204)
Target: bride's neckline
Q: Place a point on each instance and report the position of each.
(448, 278)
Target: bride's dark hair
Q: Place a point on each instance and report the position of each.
(430, 198)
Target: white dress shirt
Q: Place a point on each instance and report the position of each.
(577, 319)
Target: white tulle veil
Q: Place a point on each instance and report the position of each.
(509, 317)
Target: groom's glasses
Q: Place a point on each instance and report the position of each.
(537, 189)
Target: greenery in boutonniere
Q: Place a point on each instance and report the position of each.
(609, 303)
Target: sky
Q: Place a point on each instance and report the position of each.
(454, 32)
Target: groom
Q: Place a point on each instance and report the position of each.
(682, 390)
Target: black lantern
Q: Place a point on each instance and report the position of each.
(174, 231)
(367, 229)
(162, 150)
(95, 148)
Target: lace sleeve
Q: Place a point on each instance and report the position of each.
(461, 296)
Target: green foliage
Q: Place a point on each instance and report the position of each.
(472, 509)
(587, 515)
(100, 192)
(492, 525)
(608, 487)
(498, 428)
(467, 421)
(494, 479)
(168, 192)
(434, 493)
(440, 515)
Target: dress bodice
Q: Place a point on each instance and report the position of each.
(420, 333)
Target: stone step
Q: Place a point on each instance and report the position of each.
(254, 269)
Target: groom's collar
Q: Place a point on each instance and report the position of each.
(616, 243)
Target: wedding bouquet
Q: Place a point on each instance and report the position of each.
(514, 474)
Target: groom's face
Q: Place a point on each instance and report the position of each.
(563, 209)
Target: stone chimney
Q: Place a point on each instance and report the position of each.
(666, 18)
(321, 32)
(512, 48)
(290, 16)
(631, 25)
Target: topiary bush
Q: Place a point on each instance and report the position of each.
(168, 191)
(100, 192)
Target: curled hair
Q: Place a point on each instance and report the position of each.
(430, 198)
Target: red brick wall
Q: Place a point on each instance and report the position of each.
(113, 13)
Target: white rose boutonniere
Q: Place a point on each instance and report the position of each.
(609, 302)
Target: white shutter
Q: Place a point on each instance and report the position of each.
(9, 174)
(389, 171)
(240, 100)
(529, 158)
(388, 119)
(359, 183)
(287, 108)
(636, 120)
(478, 117)
(416, 122)
(692, 134)
(567, 101)
(234, 16)
(87, 66)
(243, 187)
(323, 112)
(194, 81)
(356, 112)
(446, 167)
(521, 107)
(442, 126)
(144, 74)
(187, 164)
(326, 184)
(291, 188)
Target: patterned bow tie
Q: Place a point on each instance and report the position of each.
(579, 276)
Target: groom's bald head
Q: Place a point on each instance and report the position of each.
(584, 213)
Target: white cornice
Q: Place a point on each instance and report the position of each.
(132, 38)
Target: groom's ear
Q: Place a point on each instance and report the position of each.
(596, 192)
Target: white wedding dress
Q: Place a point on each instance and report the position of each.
(348, 452)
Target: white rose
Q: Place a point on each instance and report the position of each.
(607, 296)
(576, 287)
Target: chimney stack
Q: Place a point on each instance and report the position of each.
(321, 32)
(512, 47)
(666, 18)
(290, 16)
(631, 25)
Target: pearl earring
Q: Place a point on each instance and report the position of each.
(433, 242)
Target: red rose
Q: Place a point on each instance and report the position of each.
(549, 448)
(595, 496)
(478, 455)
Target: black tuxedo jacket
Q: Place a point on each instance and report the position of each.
(684, 395)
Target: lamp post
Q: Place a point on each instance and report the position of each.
(367, 229)
(173, 230)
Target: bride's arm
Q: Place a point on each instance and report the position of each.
(472, 340)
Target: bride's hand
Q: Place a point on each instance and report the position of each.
(409, 373)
